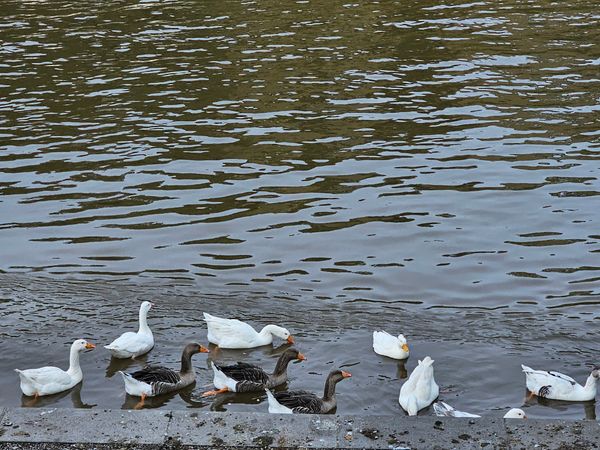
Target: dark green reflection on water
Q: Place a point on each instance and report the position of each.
(200, 141)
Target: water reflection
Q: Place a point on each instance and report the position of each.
(48, 401)
(152, 165)
(560, 407)
(134, 402)
(222, 401)
(124, 364)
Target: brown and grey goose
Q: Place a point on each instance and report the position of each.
(156, 380)
(244, 377)
(303, 402)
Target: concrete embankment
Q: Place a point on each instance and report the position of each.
(161, 429)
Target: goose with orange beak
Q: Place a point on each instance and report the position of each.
(387, 345)
(130, 344)
(303, 402)
(243, 377)
(156, 380)
(233, 333)
(52, 380)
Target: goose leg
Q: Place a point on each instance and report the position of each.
(140, 404)
(33, 401)
(217, 392)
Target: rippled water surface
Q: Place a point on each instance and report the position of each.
(431, 168)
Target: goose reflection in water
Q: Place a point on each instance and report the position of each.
(560, 406)
(52, 400)
(186, 394)
(221, 401)
(217, 353)
(402, 372)
(117, 364)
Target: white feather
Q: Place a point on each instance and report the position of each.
(274, 406)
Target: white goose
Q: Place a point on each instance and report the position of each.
(444, 409)
(130, 344)
(557, 386)
(387, 345)
(420, 390)
(232, 333)
(52, 380)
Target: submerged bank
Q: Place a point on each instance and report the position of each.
(59, 428)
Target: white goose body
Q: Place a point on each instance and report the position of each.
(222, 381)
(442, 409)
(233, 333)
(420, 390)
(130, 344)
(387, 345)
(52, 380)
(558, 386)
(275, 407)
(445, 410)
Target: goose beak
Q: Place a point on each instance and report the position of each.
(203, 349)
(346, 374)
(290, 339)
(405, 348)
(301, 357)
(89, 345)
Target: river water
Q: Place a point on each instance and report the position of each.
(430, 168)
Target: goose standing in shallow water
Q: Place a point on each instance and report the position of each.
(52, 380)
(130, 344)
(420, 390)
(303, 402)
(155, 380)
(233, 333)
(445, 410)
(387, 345)
(243, 377)
(557, 386)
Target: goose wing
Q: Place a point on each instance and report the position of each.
(157, 374)
(245, 372)
(302, 402)
(542, 382)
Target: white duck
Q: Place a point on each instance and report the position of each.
(232, 333)
(557, 386)
(420, 390)
(444, 409)
(387, 345)
(130, 344)
(52, 380)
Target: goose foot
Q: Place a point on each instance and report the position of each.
(217, 392)
(33, 401)
(529, 397)
(140, 404)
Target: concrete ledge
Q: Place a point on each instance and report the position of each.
(157, 429)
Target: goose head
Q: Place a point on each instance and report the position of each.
(515, 413)
(280, 332)
(402, 343)
(145, 306)
(81, 344)
(338, 375)
(292, 353)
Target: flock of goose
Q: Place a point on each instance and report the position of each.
(419, 391)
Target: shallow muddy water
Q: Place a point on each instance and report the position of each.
(429, 168)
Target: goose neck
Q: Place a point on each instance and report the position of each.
(282, 365)
(329, 391)
(186, 362)
(144, 329)
(74, 367)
